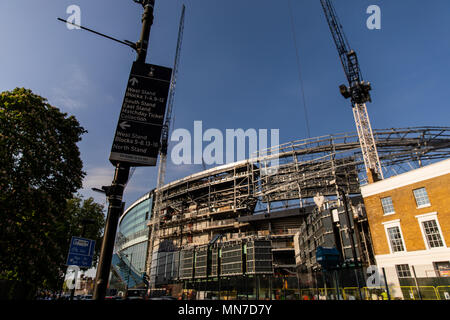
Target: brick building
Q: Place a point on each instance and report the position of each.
(409, 218)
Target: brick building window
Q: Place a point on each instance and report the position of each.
(431, 231)
(395, 238)
(388, 206)
(432, 234)
(403, 271)
(421, 197)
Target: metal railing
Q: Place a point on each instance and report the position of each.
(352, 293)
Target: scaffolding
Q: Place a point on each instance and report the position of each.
(224, 201)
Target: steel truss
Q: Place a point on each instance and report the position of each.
(197, 208)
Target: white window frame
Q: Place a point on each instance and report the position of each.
(391, 224)
(382, 207)
(428, 217)
(422, 205)
(409, 270)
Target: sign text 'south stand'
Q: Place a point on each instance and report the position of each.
(138, 132)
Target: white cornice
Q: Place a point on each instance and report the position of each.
(432, 171)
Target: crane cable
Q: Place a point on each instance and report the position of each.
(299, 68)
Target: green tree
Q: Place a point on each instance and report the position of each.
(40, 168)
(86, 218)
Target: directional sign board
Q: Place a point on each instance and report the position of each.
(81, 252)
(138, 132)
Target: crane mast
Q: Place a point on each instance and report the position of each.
(358, 91)
(154, 235)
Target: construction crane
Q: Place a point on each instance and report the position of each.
(358, 91)
(168, 119)
(154, 235)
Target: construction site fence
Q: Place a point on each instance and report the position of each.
(350, 293)
(365, 293)
(279, 287)
(415, 282)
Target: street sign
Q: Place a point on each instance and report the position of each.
(138, 132)
(81, 252)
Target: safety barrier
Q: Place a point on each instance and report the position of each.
(353, 293)
(443, 292)
(420, 293)
(346, 293)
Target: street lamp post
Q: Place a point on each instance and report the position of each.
(122, 172)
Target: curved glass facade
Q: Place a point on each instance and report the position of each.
(128, 263)
(135, 218)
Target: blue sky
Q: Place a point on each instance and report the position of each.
(238, 67)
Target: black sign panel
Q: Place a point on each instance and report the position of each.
(138, 132)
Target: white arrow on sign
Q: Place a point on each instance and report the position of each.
(134, 81)
(124, 125)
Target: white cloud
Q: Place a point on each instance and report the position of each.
(68, 95)
(98, 177)
(61, 99)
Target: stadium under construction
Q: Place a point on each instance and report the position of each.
(251, 230)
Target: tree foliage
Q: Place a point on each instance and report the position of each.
(86, 219)
(40, 168)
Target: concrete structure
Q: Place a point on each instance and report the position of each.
(409, 218)
(243, 200)
(237, 203)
